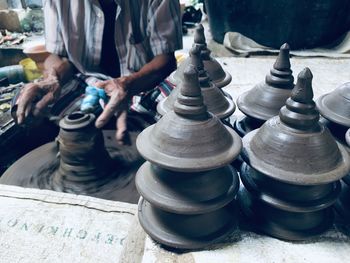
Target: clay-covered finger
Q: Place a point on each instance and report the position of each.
(28, 110)
(28, 96)
(42, 104)
(108, 112)
(24, 101)
(122, 134)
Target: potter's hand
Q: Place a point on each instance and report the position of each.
(117, 106)
(35, 97)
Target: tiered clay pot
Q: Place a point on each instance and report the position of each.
(214, 98)
(343, 203)
(78, 163)
(266, 99)
(292, 169)
(217, 74)
(187, 185)
(335, 108)
(84, 161)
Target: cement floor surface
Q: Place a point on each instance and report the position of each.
(328, 73)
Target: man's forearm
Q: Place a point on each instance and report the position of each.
(150, 75)
(60, 67)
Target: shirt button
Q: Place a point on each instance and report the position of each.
(99, 14)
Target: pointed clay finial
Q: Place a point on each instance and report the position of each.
(197, 62)
(190, 85)
(282, 61)
(303, 89)
(281, 75)
(189, 102)
(300, 110)
(195, 55)
(199, 37)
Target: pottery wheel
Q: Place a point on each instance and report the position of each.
(36, 169)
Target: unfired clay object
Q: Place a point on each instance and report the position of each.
(292, 169)
(266, 99)
(343, 203)
(335, 106)
(217, 74)
(187, 185)
(214, 98)
(83, 160)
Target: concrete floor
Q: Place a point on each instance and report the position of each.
(329, 73)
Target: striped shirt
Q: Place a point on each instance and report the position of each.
(143, 30)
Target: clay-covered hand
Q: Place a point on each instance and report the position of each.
(117, 106)
(35, 97)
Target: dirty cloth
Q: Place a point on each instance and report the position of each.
(241, 44)
(76, 228)
(46, 226)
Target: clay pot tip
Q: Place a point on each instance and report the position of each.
(282, 61)
(302, 91)
(285, 46)
(196, 59)
(200, 27)
(190, 74)
(305, 74)
(190, 84)
(195, 56)
(199, 36)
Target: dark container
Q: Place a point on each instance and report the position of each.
(302, 24)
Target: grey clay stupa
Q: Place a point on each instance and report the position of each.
(217, 74)
(266, 99)
(292, 169)
(187, 185)
(214, 98)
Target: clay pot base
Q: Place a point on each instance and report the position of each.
(118, 186)
(151, 221)
(247, 203)
(286, 219)
(244, 124)
(273, 192)
(342, 205)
